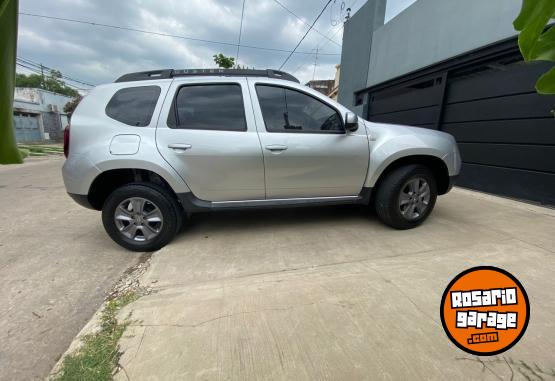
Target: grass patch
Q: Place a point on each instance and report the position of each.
(23, 152)
(40, 150)
(98, 357)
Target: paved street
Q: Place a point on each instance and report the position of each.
(333, 294)
(55, 264)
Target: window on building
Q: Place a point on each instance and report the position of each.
(208, 107)
(287, 110)
(134, 105)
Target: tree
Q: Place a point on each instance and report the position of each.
(223, 61)
(9, 154)
(535, 42)
(72, 104)
(52, 82)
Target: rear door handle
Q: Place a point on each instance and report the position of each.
(179, 148)
(276, 147)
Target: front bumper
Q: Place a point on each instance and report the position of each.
(452, 181)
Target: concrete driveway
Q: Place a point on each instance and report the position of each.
(310, 294)
(56, 262)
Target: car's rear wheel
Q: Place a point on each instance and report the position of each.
(141, 217)
(406, 196)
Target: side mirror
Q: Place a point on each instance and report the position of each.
(351, 122)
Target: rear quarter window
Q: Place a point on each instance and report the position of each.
(133, 106)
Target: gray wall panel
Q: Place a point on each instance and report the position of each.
(430, 31)
(355, 54)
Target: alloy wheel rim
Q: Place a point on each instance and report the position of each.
(138, 219)
(414, 198)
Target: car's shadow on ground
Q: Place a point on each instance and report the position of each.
(277, 218)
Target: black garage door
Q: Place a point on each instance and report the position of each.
(486, 99)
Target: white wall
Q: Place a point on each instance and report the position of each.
(38, 99)
(430, 31)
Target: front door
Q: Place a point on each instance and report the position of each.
(307, 152)
(207, 133)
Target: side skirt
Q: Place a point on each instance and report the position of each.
(192, 204)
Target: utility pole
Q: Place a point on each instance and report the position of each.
(42, 76)
(315, 64)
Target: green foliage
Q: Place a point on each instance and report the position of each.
(39, 150)
(546, 83)
(52, 82)
(9, 154)
(223, 61)
(99, 355)
(72, 105)
(24, 153)
(536, 43)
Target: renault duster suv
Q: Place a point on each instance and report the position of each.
(155, 146)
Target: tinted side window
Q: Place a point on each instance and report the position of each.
(134, 105)
(208, 107)
(287, 110)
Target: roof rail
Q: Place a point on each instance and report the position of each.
(171, 73)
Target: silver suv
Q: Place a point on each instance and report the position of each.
(156, 146)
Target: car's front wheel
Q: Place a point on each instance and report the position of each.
(141, 217)
(406, 196)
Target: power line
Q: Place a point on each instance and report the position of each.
(240, 31)
(301, 20)
(39, 65)
(306, 34)
(323, 43)
(37, 71)
(170, 35)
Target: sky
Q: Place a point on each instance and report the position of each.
(95, 54)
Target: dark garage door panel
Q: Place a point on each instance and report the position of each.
(538, 131)
(519, 78)
(505, 130)
(520, 156)
(421, 116)
(523, 106)
(527, 185)
(405, 99)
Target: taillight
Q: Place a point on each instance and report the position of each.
(66, 140)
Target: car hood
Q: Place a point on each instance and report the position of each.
(399, 130)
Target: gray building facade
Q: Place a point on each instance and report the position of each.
(455, 66)
(356, 50)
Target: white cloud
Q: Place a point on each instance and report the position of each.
(97, 54)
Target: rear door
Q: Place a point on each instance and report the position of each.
(307, 152)
(207, 133)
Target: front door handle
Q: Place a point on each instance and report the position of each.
(276, 147)
(179, 148)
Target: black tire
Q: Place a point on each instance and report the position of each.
(176, 205)
(169, 208)
(387, 202)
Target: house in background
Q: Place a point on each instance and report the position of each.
(323, 86)
(39, 115)
(455, 66)
(335, 90)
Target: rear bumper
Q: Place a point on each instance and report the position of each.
(81, 199)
